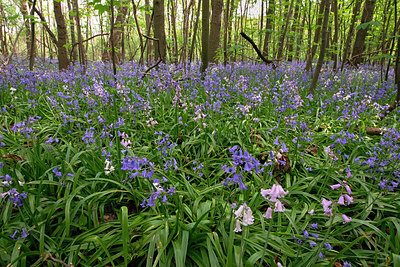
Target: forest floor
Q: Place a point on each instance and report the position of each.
(239, 167)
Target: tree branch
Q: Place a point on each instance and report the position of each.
(52, 36)
(50, 257)
(88, 39)
(266, 61)
(159, 53)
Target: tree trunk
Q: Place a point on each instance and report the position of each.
(359, 43)
(291, 38)
(335, 52)
(185, 30)
(268, 26)
(261, 25)
(117, 34)
(148, 20)
(138, 28)
(283, 36)
(72, 30)
(63, 60)
(324, 38)
(160, 47)
(175, 39)
(204, 35)
(231, 10)
(195, 31)
(356, 10)
(215, 29)
(24, 11)
(299, 36)
(226, 23)
(78, 24)
(316, 36)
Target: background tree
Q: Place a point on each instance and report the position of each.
(324, 40)
(215, 29)
(359, 43)
(159, 30)
(204, 35)
(63, 61)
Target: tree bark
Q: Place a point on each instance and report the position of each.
(335, 44)
(283, 36)
(159, 30)
(356, 10)
(175, 39)
(32, 42)
(359, 43)
(261, 25)
(24, 11)
(78, 24)
(195, 31)
(269, 23)
(204, 35)
(215, 29)
(119, 23)
(291, 38)
(138, 27)
(63, 61)
(316, 36)
(148, 20)
(226, 23)
(72, 30)
(322, 48)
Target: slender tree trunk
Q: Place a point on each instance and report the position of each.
(392, 43)
(63, 60)
(356, 10)
(24, 11)
(32, 42)
(299, 36)
(195, 31)
(117, 34)
(261, 25)
(204, 35)
(112, 43)
(215, 29)
(322, 48)
(335, 46)
(160, 47)
(230, 24)
(226, 23)
(72, 30)
(173, 22)
(268, 26)
(138, 29)
(291, 38)
(359, 43)
(283, 36)
(43, 36)
(78, 24)
(148, 29)
(316, 36)
(185, 30)
(3, 35)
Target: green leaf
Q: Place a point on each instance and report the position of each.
(13, 17)
(125, 234)
(367, 24)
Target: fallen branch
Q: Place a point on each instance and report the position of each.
(50, 257)
(390, 109)
(374, 131)
(266, 61)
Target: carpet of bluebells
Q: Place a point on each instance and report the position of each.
(239, 167)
